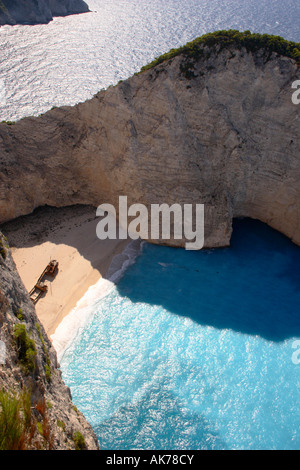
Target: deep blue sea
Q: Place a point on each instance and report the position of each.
(194, 350)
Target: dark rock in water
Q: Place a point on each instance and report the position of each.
(38, 11)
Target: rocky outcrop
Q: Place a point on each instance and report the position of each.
(38, 11)
(28, 367)
(219, 129)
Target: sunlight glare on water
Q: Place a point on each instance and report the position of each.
(193, 350)
(72, 58)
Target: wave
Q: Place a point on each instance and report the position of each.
(71, 326)
(121, 262)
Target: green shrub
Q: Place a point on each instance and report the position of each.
(11, 426)
(26, 348)
(19, 425)
(39, 427)
(15, 420)
(48, 372)
(3, 251)
(61, 424)
(79, 441)
(20, 315)
(47, 365)
(8, 123)
(220, 40)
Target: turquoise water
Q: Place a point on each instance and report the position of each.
(193, 350)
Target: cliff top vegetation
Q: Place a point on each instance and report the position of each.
(253, 42)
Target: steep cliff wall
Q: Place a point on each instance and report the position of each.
(28, 368)
(218, 128)
(38, 11)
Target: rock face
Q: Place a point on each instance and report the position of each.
(38, 11)
(225, 135)
(54, 422)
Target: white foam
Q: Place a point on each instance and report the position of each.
(122, 261)
(74, 322)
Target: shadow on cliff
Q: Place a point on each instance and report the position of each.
(73, 226)
(253, 287)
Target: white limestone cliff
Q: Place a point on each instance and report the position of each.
(226, 135)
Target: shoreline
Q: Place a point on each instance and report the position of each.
(69, 236)
(76, 319)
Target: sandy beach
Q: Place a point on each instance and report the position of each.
(67, 235)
